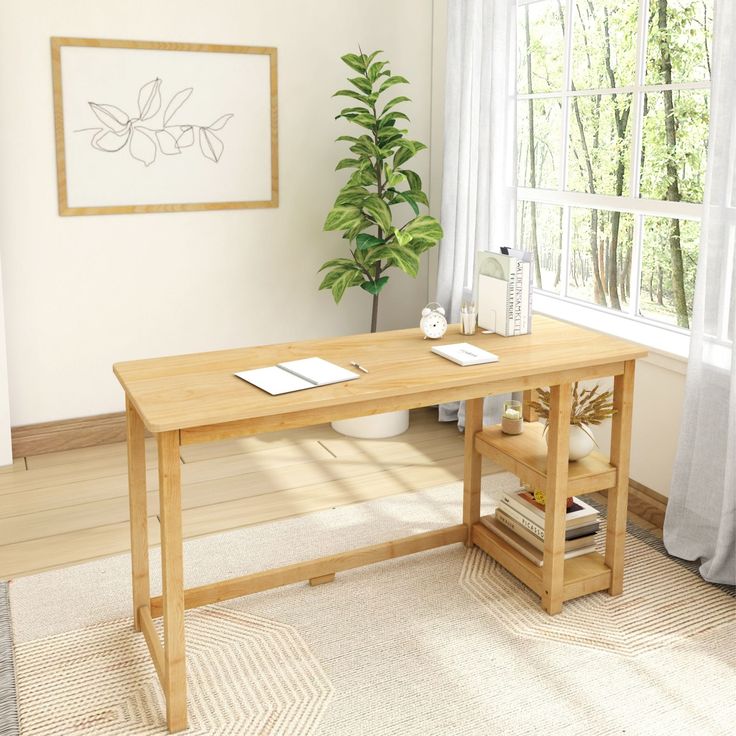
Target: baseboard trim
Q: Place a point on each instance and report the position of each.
(658, 497)
(68, 434)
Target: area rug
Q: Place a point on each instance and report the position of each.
(440, 643)
(8, 704)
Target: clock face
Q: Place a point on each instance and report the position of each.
(434, 325)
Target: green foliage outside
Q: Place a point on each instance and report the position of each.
(671, 158)
(379, 182)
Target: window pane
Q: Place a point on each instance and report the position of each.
(600, 144)
(668, 263)
(604, 44)
(539, 130)
(539, 230)
(674, 145)
(680, 41)
(600, 257)
(541, 46)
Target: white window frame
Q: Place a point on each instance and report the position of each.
(627, 322)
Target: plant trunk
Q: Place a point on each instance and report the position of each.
(532, 159)
(673, 189)
(374, 313)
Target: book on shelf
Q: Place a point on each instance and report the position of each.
(522, 546)
(504, 291)
(570, 543)
(578, 512)
(536, 525)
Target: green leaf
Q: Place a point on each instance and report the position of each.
(362, 84)
(369, 59)
(401, 256)
(347, 163)
(390, 82)
(394, 102)
(343, 281)
(411, 200)
(392, 117)
(366, 120)
(352, 232)
(402, 238)
(423, 228)
(412, 178)
(374, 70)
(349, 138)
(355, 62)
(355, 95)
(341, 218)
(365, 241)
(339, 263)
(379, 211)
(407, 149)
(374, 287)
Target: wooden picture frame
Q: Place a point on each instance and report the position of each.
(123, 145)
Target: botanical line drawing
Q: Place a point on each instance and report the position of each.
(143, 141)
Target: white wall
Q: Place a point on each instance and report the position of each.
(84, 292)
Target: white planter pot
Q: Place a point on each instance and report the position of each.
(374, 426)
(581, 443)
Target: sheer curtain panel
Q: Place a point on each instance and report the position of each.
(478, 180)
(701, 513)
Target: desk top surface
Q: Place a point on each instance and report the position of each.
(196, 390)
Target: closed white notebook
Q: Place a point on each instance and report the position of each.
(296, 375)
(463, 353)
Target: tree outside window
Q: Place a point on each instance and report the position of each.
(613, 102)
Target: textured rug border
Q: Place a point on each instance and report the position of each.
(644, 535)
(8, 701)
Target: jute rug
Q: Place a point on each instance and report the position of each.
(440, 643)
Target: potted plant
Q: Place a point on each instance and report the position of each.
(589, 407)
(380, 183)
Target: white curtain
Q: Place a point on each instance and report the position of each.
(701, 513)
(478, 181)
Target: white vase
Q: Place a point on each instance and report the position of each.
(374, 426)
(581, 442)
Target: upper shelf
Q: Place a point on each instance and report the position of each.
(525, 455)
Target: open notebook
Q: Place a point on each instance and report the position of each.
(296, 375)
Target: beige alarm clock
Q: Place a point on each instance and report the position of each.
(433, 322)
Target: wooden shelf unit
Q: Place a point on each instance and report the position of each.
(525, 455)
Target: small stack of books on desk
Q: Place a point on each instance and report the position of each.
(519, 521)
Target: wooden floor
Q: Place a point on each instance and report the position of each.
(68, 507)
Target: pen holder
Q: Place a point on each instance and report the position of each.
(511, 419)
(468, 319)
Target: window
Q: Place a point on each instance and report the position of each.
(612, 128)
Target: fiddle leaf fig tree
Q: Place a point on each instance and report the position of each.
(379, 181)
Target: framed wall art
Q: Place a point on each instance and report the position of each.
(143, 126)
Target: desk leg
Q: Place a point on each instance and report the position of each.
(553, 570)
(138, 510)
(473, 460)
(172, 569)
(623, 400)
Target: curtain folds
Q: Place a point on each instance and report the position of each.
(701, 513)
(478, 184)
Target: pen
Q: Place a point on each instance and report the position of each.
(358, 366)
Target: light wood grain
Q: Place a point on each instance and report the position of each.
(199, 393)
(473, 464)
(138, 513)
(525, 455)
(623, 402)
(323, 566)
(172, 582)
(155, 648)
(553, 578)
(65, 210)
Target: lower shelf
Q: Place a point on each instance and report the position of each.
(583, 575)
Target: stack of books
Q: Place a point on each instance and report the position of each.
(505, 291)
(519, 521)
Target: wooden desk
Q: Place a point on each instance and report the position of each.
(195, 398)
